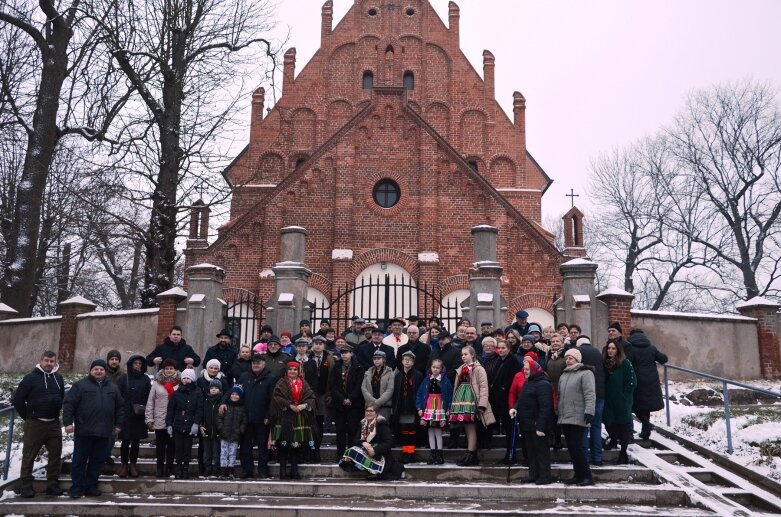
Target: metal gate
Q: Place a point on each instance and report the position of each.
(243, 315)
(382, 298)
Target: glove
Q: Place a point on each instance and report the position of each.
(513, 412)
(194, 430)
(540, 434)
(170, 430)
(588, 418)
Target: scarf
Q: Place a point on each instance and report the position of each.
(168, 382)
(345, 373)
(406, 387)
(369, 429)
(296, 386)
(463, 375)
(377, 376)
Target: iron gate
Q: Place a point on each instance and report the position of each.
(243, 315)
(379, 300)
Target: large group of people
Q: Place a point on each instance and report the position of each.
(405, 387)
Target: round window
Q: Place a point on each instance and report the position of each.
(372, 12)
(386, 193)
(410, 11)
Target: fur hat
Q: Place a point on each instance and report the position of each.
(213, 362)
(574, 352)
(189, 373)
(378, 353)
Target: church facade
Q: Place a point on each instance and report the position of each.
(387, 147)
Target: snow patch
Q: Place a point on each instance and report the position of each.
(756, 301)
(485, 298)
(197, 298)
(614, 291)
(581, 298)
(78, 300)
(697, 315)
(175, 291)
(108, 314)
(205, 266)
(266, 273)
(578, 262)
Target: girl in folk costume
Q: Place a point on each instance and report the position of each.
(166, 382)
(372, 454)
(405, 389)
(346, 378)
(433, 402)
(470, 402)
(292, 405)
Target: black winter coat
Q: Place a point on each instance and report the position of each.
(353, 386)
(233, 422)
(405, 405)
(203, 383)
(382, 441)
(178, 352)
(499, 389)
(535, 405)
(39, 395)
(239, 368)
(185, 408)
(134, 388)
(363, 354)
(644, 356)
(422, 352)
(592, 357)
(257, 394)
(317, 377)
(226, 356)
(95, 408)
(451, 359)
(211, 410)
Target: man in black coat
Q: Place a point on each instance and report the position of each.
(366, 351)
(176, 348)
(450, 357)
(93, 410)
(648, 394)
(258, 385)
(38, 400)
(499, 391)
(592, 438)
(615, 335)
(421, 350)
(345, 382)
(224, 352)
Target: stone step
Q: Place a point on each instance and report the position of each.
(452, 455)
(424, 473)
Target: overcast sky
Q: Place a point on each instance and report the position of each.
(596, 74)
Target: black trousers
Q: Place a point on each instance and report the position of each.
(574, 436)
(129, 451)
(347, 422)
(539, 455)
(183, 443)
(164, 448)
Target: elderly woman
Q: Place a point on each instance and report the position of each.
(620, 383)
(291, 420)
(577, 401)
(134, 386)
(470, 402)
(377, 386)
(535, 412)
(372, 454)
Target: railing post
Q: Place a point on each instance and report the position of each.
(667, 395)
(9, 442)
(725, 393)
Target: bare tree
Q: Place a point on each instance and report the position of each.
(727, 141)
(49, 89)
(181, 59)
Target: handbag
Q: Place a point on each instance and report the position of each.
(139, 409)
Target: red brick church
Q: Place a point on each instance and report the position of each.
(388, 147)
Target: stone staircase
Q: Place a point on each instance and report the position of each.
(661, 480)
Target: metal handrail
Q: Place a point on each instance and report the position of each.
(9, 438)
(725, 393)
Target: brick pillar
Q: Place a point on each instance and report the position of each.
(768, 333)
(167, 301)
(7, 312)
(619, 307)
(69, 309)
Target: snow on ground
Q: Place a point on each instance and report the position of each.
(756, 429)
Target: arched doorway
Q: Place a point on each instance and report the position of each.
(384, 291)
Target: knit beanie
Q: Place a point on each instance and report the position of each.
(616, 326)
(213, 362)
(574, 352)
(113, 353)
(237, 389)
(99, 362)
(215, 384)
(189, 373)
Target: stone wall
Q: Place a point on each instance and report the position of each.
(726, 345)
(127, 331)
(23, 340)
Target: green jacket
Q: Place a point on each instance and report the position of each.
(620, 386)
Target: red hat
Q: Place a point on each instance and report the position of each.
(532, 355)
(286, 333)
(294, 364)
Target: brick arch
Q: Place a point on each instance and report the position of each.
(321, 283)
(502, 171)
(303, 123)
(538, 300)
(454, 283)
(366, 259)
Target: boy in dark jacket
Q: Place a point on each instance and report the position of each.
(185, 412)
(231, 425)
(210, 436)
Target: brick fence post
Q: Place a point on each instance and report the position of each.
(768, 333)
(167, 301)
(619, 307)
(69, 309)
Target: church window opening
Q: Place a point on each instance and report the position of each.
(386, 193)
(368, 80)
(299, 163)
(410, 11)
(409, 80)
(473, 165)
(372, 12)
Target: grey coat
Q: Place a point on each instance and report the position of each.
(577, 395)
(386, 388)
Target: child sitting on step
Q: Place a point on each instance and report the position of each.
(433, 403)
(231, 425)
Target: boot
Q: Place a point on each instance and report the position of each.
(432, 457)
(185, 471)
(465, 460)
(123, 471)
(470, 459)
(170, 470)
(160, 470)
(623, 458)
(294, 474)
(223, 474)
(440, 457)
(231, 473)
(283, 474)
(316, 456)
(178, 471)
(132, 470)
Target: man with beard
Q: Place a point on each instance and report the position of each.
(224, 352)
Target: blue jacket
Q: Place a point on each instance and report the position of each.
(446, 388)
(95, 408)
(257, 394)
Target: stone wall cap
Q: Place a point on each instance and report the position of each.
(484, 228)
(690, 315)
(79, 300)
(198, 298)
(756, 301)
(7, 309)
(37, 319)
(119, 314)
(293, 229)
(615, 291)
(175, 292)
(578, 262)
(205, 265)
